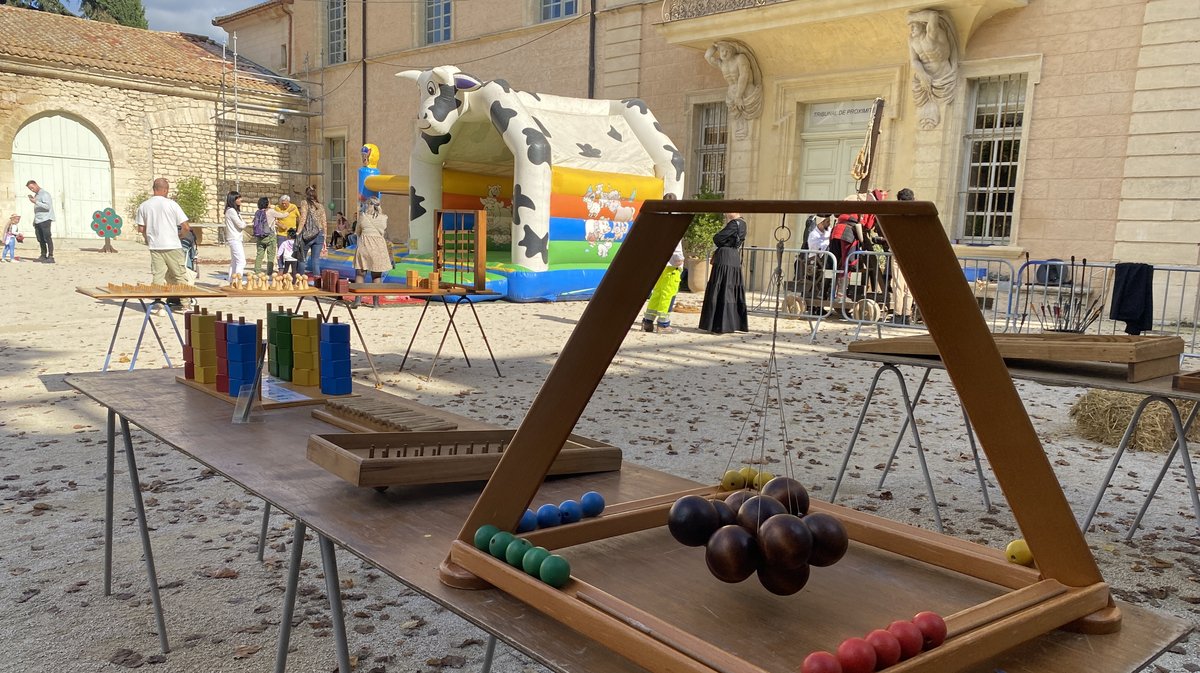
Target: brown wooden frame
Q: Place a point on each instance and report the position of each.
(1066, 590)
(479, 263)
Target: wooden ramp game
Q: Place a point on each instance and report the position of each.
(658, 607)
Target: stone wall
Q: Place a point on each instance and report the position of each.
(149, 131)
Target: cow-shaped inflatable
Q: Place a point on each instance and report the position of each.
(596, 134)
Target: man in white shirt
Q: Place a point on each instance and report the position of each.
(43, 218)
(161, 220)
(818, 238)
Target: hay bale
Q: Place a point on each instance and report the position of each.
(1103, 415)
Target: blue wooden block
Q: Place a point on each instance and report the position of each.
(235, 386)
(336, 385)
(241, 352)
(239, 333)
(335, 332)
(334, 351)
(242, 369)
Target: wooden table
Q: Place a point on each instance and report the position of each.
(1073, 374)
(655, 572)
(154, 299)
(458, 300)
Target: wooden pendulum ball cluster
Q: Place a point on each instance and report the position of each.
(770, 533)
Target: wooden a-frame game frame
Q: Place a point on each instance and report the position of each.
(1065, 591)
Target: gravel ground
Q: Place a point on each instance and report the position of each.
(672, 402)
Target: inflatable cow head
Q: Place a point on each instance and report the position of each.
(442, 96)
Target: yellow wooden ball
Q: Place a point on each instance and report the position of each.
(1018, 552)
(748, 473)
(733, 481)
(761, 479)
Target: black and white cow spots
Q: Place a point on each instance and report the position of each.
(503, 84)
(536, 245)
(415, 210)
(520, 201)
(676, 160)
(541, 127)
(586, 150)
(614, 133)
(435, 142)
(539, 147)
(637, 103)
(445, 102)
(501, 116)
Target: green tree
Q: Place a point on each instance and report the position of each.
(189, 194)
(52, 6)
(124, 12)
(698, 239)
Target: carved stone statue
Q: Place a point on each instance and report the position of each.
(739, 68)
(933, 48)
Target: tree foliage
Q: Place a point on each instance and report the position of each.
(698, 239)
(124, 12)
(189, 193)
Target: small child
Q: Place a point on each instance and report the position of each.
(287, 257)
(10, 239)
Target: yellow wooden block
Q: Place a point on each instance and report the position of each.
(206, 374)
(304, 326)
(203, 323)
(303, 343)
(204, 357)
(304, 360)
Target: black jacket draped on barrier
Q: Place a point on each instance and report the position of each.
(1133, 297)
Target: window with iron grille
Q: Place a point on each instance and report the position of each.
(556, 9)
(991, 159)
(335, 37)
(437, 21)
(711, 139)
(335, 150)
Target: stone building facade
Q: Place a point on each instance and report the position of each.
(1064, 127)
(94, 112)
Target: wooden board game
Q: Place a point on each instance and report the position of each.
(1065, 591)
(380, 459)
(363, 414)
(147, 291)
(1146, 357)
(277, 393)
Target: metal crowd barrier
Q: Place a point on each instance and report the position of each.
(873, 293)
(805, 291)
(1058, 295)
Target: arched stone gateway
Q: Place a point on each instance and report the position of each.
(66, 156)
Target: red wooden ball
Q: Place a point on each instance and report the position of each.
(910, 637)
(820, 662)
(887, 648)
(790, 493)
(756, 510)
(856, 656)
(783, 581)
(735, 499)
(932, 627)
(731, 554)
(830, 540)
(785, 542)
(692, 520)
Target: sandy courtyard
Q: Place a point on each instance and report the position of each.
(672, 402)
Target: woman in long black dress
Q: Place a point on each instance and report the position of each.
(725, 297)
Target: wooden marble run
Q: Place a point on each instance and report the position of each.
(1065, 591)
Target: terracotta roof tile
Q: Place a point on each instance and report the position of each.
(107, 48)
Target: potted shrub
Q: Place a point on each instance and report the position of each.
(698, 242)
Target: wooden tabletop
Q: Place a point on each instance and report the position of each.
(1071, 374)
(406, 533)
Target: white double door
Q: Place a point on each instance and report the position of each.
(67, 158)
(825, 163)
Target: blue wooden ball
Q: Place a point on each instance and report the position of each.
(548, 516)
(528, 522)
(593, 503)
(571, 511)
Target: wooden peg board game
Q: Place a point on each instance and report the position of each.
(372, 414)
(380, 459)
(276, 393)
(147, 291)
(887, 562)
(1146, 357)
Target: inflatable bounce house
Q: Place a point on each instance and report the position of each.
(560, 179)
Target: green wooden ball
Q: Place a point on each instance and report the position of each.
(499, 543)
(732, 481)
(555, 571)
(516, 551)
(531, 563)
(484, 535)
